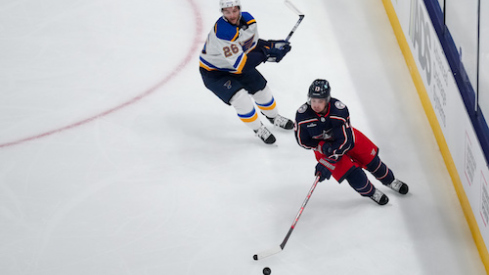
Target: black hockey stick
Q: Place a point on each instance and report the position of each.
(301, 16)
(280, 247)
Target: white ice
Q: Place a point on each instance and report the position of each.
(115, 159)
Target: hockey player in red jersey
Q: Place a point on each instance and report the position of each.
(228, 64)
(323, 125)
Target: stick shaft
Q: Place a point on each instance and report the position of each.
(278, 249)
(294, 28)
(291, 6)
(306, 200)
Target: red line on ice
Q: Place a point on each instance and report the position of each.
(178, 69)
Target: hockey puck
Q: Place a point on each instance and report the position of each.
(267, 271)
(255, 257)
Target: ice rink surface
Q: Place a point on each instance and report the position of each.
(115, 159)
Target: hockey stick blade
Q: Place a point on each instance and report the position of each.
(298, 12)
(267, 253)
(292, 7)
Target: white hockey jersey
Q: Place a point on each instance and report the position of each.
(227, 45)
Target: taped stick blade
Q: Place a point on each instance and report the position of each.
(267, 253)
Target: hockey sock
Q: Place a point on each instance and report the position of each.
(265, 101)
(251, 119)
(358, 180)
(268, 108)
(245, 109)
(380, 171)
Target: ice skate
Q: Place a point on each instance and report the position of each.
(264, 134)
(282, 122)
(399, 186)
(379, 197)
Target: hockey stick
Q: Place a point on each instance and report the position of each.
(301, 16)
(280, 247)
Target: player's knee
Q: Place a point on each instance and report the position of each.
(242, 102)
(374, 165)
(356, 178)
(264, 95)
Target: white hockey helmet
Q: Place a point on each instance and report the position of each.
(229, 3)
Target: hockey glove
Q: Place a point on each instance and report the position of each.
(322, 172)
(276, 50)
(327, 150)
(324, 148)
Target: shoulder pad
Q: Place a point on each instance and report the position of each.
(225, 31)
(248, 18)
(338, 108)
(302, 109)
(339, 105)
(304, 113)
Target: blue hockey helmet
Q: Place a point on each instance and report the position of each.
(320, 89)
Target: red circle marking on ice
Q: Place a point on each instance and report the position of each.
(183, 63)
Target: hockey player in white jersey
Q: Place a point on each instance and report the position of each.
(228, 64)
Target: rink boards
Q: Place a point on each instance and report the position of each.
(445, 109)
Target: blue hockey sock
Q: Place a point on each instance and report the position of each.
(380, 171)
(359, 181)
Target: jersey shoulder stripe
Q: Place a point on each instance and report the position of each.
(226, 31)
(248, 18)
